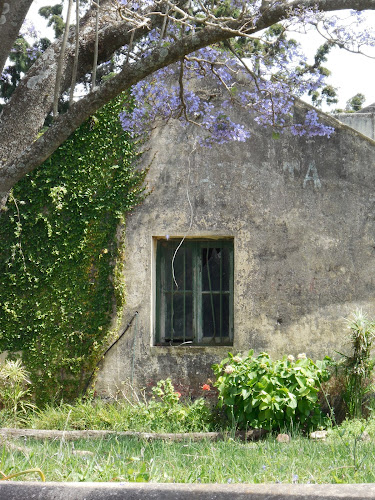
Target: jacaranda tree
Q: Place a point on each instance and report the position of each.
(144, 42)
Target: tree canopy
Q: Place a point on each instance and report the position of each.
(141, 42)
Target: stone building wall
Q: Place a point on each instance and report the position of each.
(301, 213)
(363, 122)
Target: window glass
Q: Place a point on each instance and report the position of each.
(194, 292)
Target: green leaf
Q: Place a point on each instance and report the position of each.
(246, 393)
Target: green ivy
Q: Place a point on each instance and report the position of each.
(61, 245)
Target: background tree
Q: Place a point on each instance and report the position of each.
(153, 35)
(54, 17)
(355, 103)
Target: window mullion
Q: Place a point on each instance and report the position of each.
(221, 295)
(172, 294)
(198, 334)
(211, 294)
(231, 292)
(184, 298)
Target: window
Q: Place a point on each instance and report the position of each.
(194, 292)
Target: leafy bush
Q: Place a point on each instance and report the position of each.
(259, 392)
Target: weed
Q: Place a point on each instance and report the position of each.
(163, 413)
(358, 366)
(14, 392)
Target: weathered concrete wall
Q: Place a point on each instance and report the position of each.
(363, 122)
(302, 215)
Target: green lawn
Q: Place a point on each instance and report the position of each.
(130, 459)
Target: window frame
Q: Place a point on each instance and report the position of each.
(165, 246)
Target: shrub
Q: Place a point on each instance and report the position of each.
(14, 393)
(259, 392)
(358, 366)
(165, 411)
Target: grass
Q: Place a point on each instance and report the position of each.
(152, 416)
(343, 458)
(130, 459)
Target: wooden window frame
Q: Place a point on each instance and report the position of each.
(164, 250)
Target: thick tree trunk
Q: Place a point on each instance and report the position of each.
(12, 15)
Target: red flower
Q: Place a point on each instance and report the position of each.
(178, 394)
(206, 387)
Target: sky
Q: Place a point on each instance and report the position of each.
(351, 73)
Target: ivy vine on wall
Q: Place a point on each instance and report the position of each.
(61, 245)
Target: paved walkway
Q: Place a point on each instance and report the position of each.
(155, 491)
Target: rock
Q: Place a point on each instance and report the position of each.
(83, 453)
(251, 435)
(283, 438)
(319, 435)
(365, 436)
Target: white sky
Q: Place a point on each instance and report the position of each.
(351, 73)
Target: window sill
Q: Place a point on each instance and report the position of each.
(221, 350)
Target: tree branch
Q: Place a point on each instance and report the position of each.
(66, 123)
(33, 98)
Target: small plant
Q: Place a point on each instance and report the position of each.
(359, 365)
(164, 412)
(165, 391)
(259, 392)
(13, 390)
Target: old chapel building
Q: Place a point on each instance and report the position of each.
(263, 245)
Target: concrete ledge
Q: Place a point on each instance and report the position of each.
(152, 491)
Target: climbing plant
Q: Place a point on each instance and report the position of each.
(61, 245)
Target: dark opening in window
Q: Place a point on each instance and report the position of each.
(194, 292)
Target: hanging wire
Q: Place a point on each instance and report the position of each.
(95, 64)
(191, 212)
(134, 345)
(60, 62)
(76, 53)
